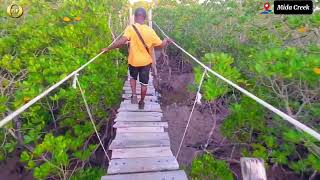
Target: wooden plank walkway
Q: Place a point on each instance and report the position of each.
(141, 148)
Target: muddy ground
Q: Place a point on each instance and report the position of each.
(176, 103)
(13, 169)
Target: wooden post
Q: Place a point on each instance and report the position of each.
(252, 169)
(130, 22)
(154, 61)
(130, 15)
(150, 17)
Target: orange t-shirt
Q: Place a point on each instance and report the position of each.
(138, 55)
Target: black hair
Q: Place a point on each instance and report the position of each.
(140, 12)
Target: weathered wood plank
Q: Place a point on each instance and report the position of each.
(165, 175)
(147, 98)
(252, 168)
(141, 152)
(134, 108)
(121, 124)
(149, 93)
(146, 103)
(143, 136)
(140, 129)
(137, 143)
(142, 165)
(128, 88)
(149, 90)
(138, 116)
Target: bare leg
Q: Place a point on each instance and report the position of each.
(143, 92)
(133, 85)
(134, 99)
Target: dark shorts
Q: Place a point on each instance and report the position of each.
(142, 71)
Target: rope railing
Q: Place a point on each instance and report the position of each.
(89, 113)
(46, 92)
(189, 119)
(283, 115)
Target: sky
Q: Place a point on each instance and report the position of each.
(133, 1)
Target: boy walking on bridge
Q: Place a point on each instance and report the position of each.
(142, 39)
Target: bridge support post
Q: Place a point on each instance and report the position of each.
(252, 168)
(130, 15)
(154, 61)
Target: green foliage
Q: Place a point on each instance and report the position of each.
(222, 64)
(287, 64)
(274, 57)
(206, 167)
(51, 40)
(88, 173)
(57, 147)
(246, 118)
(282, 145)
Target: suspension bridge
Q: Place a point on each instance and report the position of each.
(141, 148)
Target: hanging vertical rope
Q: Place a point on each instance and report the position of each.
(194, 105)
(90, 116)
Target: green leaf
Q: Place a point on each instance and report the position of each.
(24, 157)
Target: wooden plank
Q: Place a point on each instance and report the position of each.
(128, 88)
(141, 152)
(138, 87)
(122, 124)
(149, 93)
(147, 98)
(133, 165)
(140, 129)
(134, 108)
(145, 103)
(165, 175)
(252, 168)
(143, 136)
(137, 143)
(138, 116)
